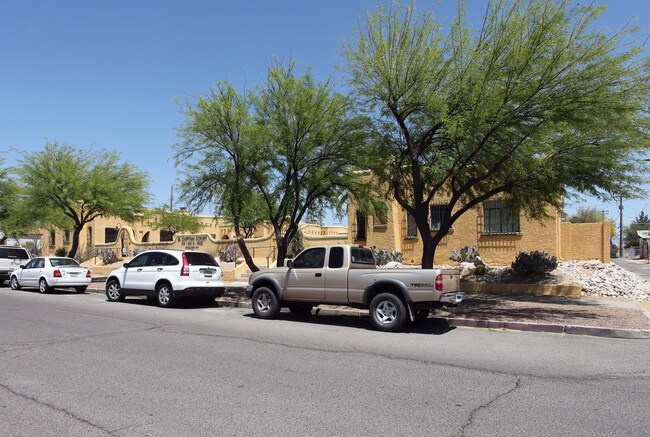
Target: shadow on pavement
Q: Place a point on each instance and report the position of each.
(428, 327)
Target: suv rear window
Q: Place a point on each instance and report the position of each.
(200, 259)
(13, 253)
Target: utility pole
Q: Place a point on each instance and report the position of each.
(620, 225)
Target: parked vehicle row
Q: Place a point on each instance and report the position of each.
(163, 276)
(338, 275)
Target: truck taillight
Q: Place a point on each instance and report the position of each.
(439, 283)
(185, 270)
(88, 274)
(57, 273)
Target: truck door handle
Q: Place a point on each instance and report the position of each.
(318, 275)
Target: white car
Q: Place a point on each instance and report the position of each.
(11, 257)
(49, 272)
(165, 276)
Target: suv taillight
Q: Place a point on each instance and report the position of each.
(439, 283)
(185, 270)
(57, 273)
(88, 274)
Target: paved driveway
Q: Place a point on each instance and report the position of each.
(640, 267)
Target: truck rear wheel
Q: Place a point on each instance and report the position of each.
(265, 303)
(387, 312)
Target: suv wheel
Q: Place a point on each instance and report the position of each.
(14, 283)
(265, 303)
(164, 295)
(43, 287)
(114, 291)
(387, 312)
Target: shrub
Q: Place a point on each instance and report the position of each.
(534, 263)
(383, 257)
(229, 253)
(108, 256)
(465, 255)
(60, 251)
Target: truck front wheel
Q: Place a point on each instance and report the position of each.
(387, 312)
(265, 303)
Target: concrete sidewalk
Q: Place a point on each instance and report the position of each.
(562, 315)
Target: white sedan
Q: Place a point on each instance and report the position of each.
(51, 272)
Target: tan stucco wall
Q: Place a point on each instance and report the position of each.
(585, 241)
(547, 235)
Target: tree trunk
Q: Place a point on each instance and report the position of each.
(3, 239)
(75, 240)
(282, 251)
(428, 252)
(246, 253)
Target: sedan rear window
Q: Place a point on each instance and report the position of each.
(200, 259)
(13, 253)
(59, 262)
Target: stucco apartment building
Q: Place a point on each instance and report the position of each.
(497, 234)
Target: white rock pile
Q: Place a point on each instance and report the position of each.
(606, 280)
(595, 278)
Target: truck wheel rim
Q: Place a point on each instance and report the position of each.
(386, 312)
(264, 302)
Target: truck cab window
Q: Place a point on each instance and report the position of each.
(336, 258)
(310, 259)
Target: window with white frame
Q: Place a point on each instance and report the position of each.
(500, 217)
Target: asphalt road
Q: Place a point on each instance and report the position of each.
(640, 267)
(79, 365)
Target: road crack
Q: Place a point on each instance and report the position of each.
(476, 410)
(54, 408)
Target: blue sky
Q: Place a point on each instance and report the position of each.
(108, 74)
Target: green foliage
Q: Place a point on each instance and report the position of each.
(534, 263)
(60, 251)
(273, 154)
(587, 215)
(613, 251)
(383, 257)
(173, 221)
(640, 222)
(534, 102)
(465, 255)
(74, 186)
(16, 217)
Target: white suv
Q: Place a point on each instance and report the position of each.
(166, 275)
(11, 257)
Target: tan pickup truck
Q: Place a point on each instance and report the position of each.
(347, 275)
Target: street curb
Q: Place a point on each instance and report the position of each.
(489, 324)
(453, 322)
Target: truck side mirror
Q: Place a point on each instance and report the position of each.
(290, 263)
